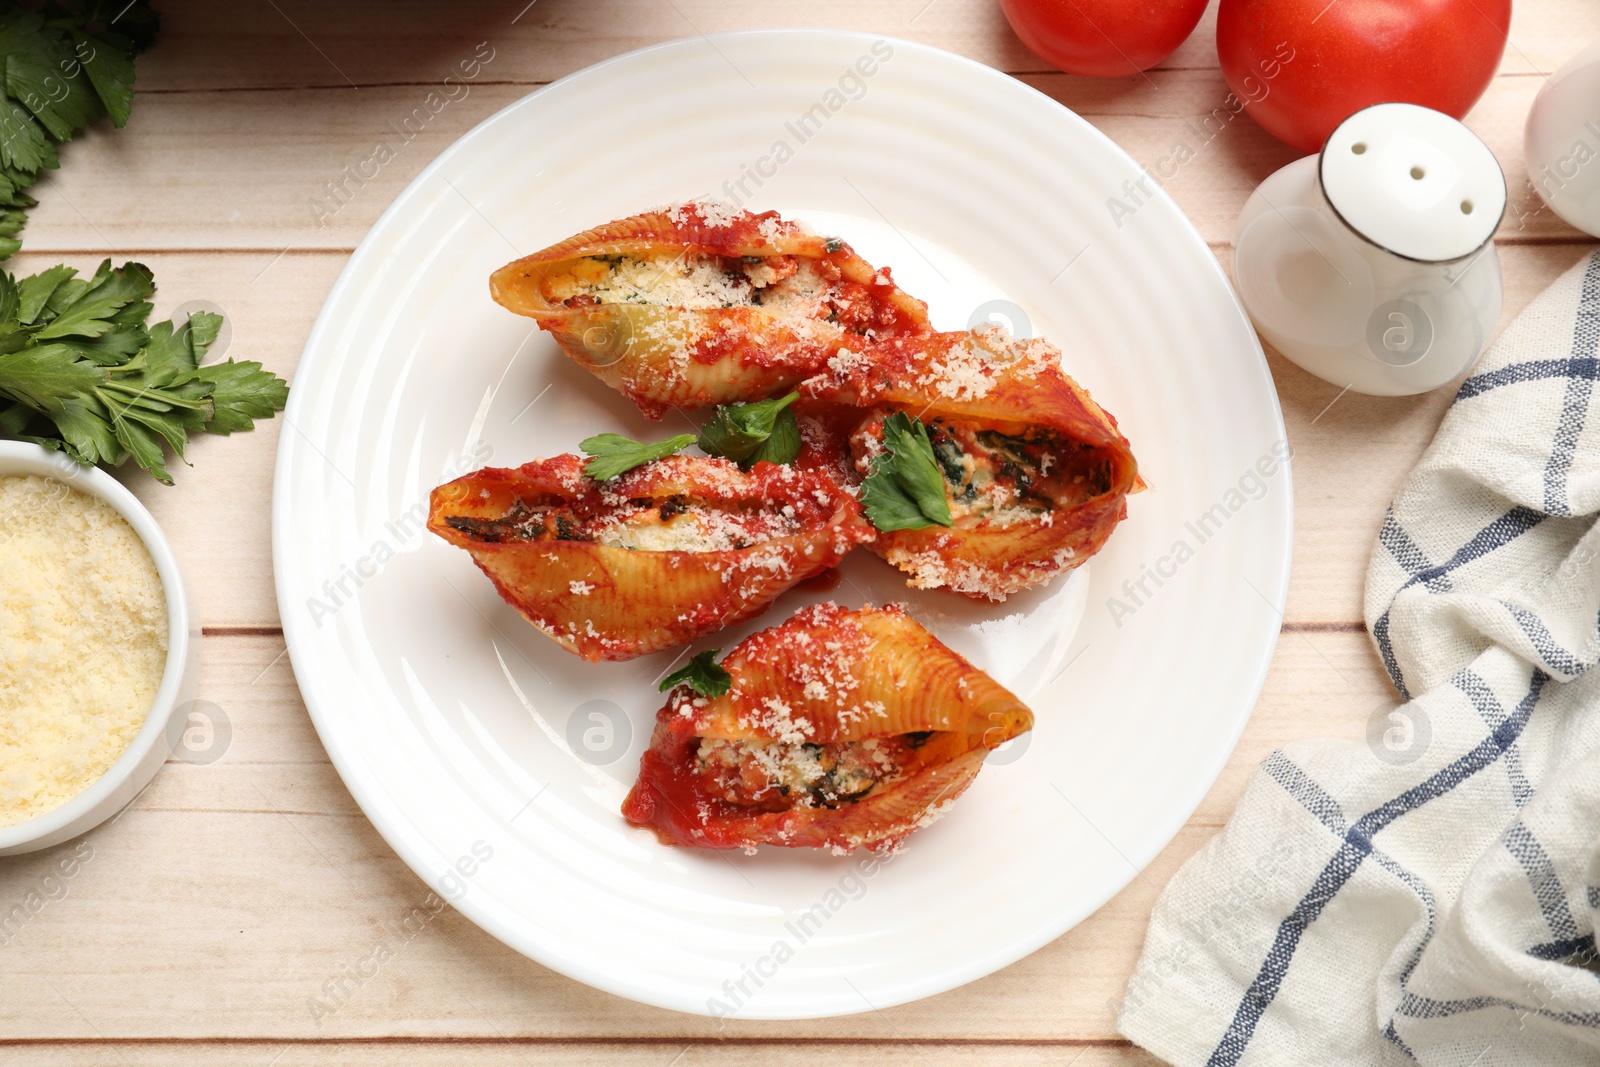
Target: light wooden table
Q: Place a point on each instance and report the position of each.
(212, 912)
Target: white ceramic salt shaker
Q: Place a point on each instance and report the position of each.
(1561, 141)
(1371, 264)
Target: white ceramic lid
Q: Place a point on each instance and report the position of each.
(1414, 181)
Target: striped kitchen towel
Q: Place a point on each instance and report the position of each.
(1430, 894)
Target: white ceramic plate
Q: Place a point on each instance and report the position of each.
(494, 763)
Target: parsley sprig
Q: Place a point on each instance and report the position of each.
(61, 67)
(750, 433)
(80, 372)
(702, 674)
(614, 454)
(904, 489)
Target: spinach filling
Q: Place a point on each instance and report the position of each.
(986, 470)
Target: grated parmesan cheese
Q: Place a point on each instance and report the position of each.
(963, 372)
(969, 369)
(771, 229)
(83, 638)
(716, 214)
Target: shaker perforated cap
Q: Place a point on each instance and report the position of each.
(1414, 181)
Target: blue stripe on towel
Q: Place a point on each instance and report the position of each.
(1560, 950)
(1544, 881)
(1534, 370)
(1488, 705)
(1392, 535)
(1316, 800)
(1343, 866)
(1575, 402)
(1380, 634)
(1545, 646)
(1300, 785)
(1394, 1038)
(1499, 533)
(1413, 1006)
(1502, 531)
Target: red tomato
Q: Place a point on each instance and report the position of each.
(1103, 38)
(1304, 66)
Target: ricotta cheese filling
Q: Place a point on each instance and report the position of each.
(699, 281)
(694, 529)
(780, 775)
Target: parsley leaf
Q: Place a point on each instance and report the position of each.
(37, 290)
(702, 675)
(22, 142)
(42, 377)
(62, 66)
(42, 72)
(904, 489)
(614, 454)
(80, 372)
(784, 444)
(751, 433)
(240, 393)
(110, 299)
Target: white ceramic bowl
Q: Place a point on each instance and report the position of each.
(154, 741)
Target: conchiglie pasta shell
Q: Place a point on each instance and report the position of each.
(608, 603)
(664, 356)
(987, 378)
(831, 675)
(772, 700)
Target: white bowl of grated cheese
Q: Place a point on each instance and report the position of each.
(99, 644)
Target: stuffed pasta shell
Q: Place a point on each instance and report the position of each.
(1033, 472)
(837, 729)
(654, 558)
(705, 304)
